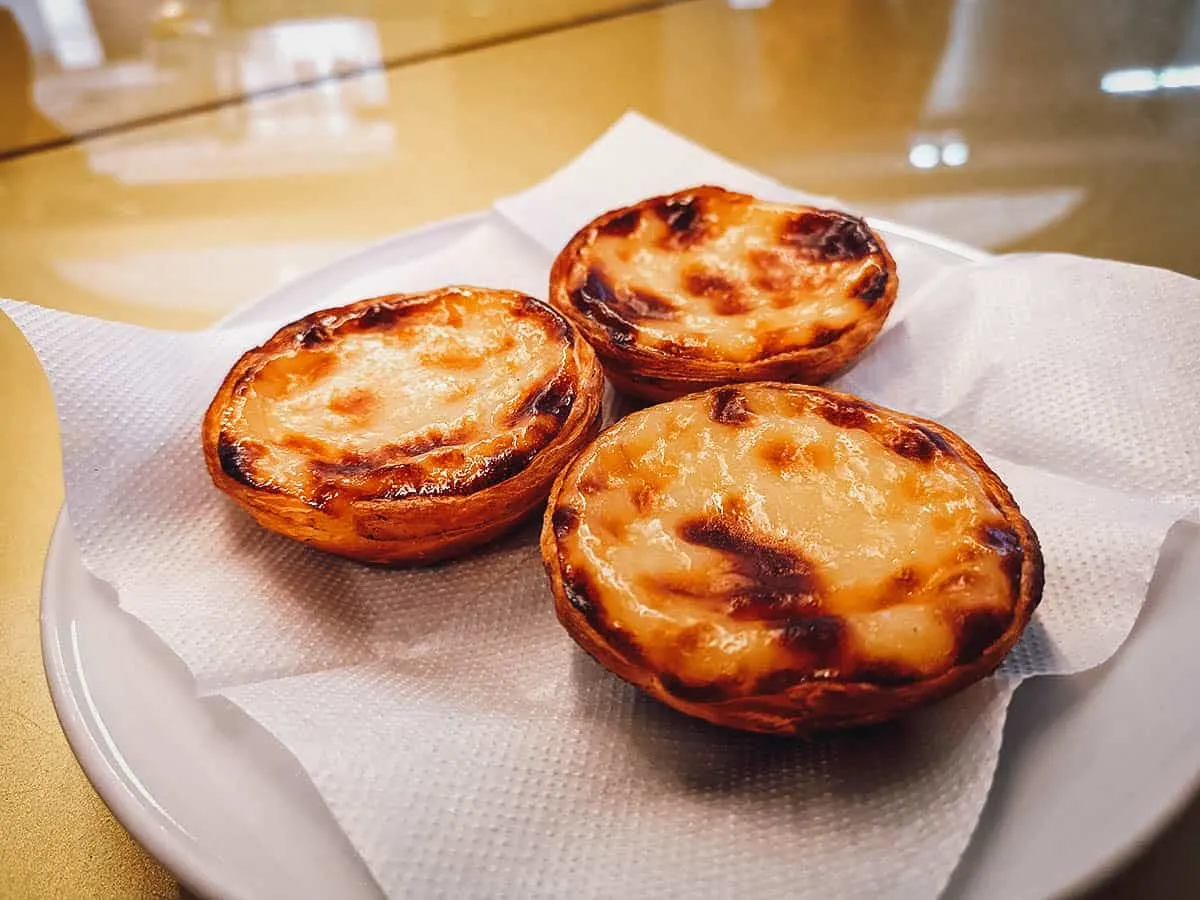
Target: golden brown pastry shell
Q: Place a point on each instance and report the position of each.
(810, 705)
(650, 373)
(439, 519)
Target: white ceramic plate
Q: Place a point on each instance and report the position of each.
(1092, 765)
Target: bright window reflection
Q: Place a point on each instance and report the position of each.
(322, 127)
(288, 52)
(956, 153)
(72, 34)
(1144, 81)
(1179, 77)
(923, 156)
(928, 154)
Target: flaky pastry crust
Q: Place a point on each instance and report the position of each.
(405, 428)
(784, 559)
(706, 287)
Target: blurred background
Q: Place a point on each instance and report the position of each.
(273, 135)
(162, 161)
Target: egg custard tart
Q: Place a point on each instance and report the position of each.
(405, 428)
(706, 287)
(782, 559)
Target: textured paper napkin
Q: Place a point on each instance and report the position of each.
(459, 737)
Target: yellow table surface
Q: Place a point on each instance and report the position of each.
(1014, 124)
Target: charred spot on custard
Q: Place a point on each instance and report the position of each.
(819, 640)
(976, 630)
(871, 286)
(683, 218)
(237, 459)
(556, 326)
(313, 335)
(724, 295)
(582, 597)
(640, 305)
(938, 441)
(624, 643)
(386, 475)
(553, 398)
(595, 298)
(526, 307)
(499, 468)
(827, 236)
(623, 225)
(1003, 540)
(774, 583)
(727, 406)
(580, 594)
(844, 413)
(564, 520)
(912, 443)
(775, 599)
(381, 316)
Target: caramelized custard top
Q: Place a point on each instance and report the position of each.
(757, 536)
(709, 274)
(440, 393)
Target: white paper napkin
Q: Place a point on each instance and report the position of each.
(457, 734)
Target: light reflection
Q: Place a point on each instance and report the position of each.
(322, 128)
(1145, 81)
(924, 156)
(172, 9)
(928, 154)
(1179, 77)
(287, 52)
(956, 153)
(68, 80)
(72, 34)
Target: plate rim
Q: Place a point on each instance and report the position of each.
(186, 861)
